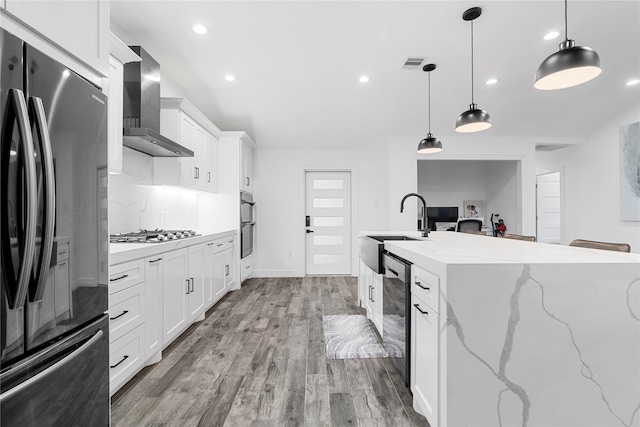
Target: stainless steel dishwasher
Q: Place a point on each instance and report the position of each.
(396, 312)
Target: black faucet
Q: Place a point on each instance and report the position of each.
(425, 230)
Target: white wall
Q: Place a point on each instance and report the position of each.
(279, 197)
(592, 186)
(503, 194)
(403, 177)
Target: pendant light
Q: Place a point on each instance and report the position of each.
(570, 66)
(474, 119)
(429, 145)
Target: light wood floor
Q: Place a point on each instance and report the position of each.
(258, 359)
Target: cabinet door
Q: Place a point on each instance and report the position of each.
(154, 273)
(187, 138)
(45, 310)
(218, 286)
(211, 164)
(199, 157)
(175, 288)
(424, 359)
(64, 22)
(196, 278)
(229, 270)
(62, 291)
(247, 168)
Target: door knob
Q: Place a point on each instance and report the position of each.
(309, 231)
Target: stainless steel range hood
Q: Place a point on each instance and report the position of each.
(141, 110)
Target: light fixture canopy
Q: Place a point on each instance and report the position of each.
(570, 66)
(430, 144)
(474, 119)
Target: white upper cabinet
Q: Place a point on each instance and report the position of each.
(120, 54)
(247, 168)
(183, 123)
(81, 28)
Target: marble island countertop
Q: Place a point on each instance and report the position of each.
(123, 252)
(463, 248)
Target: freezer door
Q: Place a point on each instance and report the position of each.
(63, 385)
(68, 117)
(17, 215)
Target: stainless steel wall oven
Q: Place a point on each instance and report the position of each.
(247, 224)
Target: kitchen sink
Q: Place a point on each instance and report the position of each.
(383, 238)
(372, 249)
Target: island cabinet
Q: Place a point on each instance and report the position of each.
(370, 290)
(518, 333)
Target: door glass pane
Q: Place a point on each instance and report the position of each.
(327, 240)
(328, 203)
(328, 184)
(327, 259)
(328, 221)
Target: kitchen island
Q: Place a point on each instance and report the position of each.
(517, 333)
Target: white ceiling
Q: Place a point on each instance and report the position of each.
(297, 65)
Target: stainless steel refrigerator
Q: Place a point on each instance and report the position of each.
(55, 348)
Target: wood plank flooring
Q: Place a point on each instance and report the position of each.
(258, 359)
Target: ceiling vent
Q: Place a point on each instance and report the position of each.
(413, 63)
(550, 147)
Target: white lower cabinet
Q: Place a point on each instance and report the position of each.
(425, 345)
(195, 296)
(153, 300)
(370, 284)
(175, 290)
(154, 274)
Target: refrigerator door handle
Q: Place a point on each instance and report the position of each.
(50, 370)
(50, 195)
(17, 101)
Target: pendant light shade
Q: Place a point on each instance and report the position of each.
(570, 66)
(430, 144)
(474, 119)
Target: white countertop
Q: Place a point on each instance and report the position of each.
(464, 248)
(123, 252)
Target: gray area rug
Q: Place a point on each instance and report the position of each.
(350, 337)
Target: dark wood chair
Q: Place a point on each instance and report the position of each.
(620, 247)
(519, 237)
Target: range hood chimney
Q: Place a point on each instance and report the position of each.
(141, 109)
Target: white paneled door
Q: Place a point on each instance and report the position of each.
(328, 222)
(548, 203)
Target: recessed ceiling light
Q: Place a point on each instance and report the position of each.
(552, 35)
(200, 29)
(632, 82)
(230, 78)
(492, 81)
(363, 79)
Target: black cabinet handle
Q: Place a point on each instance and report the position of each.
(423, 287)
(123, 359)
(119, 278)
(393, 271)
(192, 286)
(187, 287)
(155, 260)
(208, 176)
(420, 310)
(119, 315)
(226, 270)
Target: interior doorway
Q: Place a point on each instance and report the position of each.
(549, 207)
(328, 222)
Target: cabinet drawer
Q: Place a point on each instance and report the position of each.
(426, 286)
(125, 311)
(62, 252)
(127, 274)
(246, 268)
(222, 243)
(125, 357)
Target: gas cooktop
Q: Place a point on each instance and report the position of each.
(151, 236)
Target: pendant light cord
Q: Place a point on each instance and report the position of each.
(429, 114)
(472, 98)
(566, 30)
